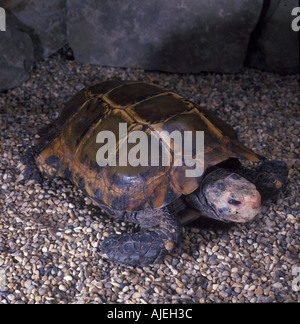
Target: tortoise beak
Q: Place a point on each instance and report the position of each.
(255, 201)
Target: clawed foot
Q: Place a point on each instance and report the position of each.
(30, 171)
(272, 176)
(137, 249)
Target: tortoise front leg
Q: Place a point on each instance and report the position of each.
(159, 234)
(270, 177)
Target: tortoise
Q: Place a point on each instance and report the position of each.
(159, 198)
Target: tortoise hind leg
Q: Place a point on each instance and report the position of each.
(159, 234)
(31, 172)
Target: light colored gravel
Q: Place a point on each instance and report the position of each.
(50, 233)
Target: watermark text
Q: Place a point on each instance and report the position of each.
(296, 280)
(2, 279)
(2, 19)
(296, 21)
(161, 148)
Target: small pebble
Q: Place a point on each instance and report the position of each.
(62, 288)
(258, 291)
(43, 291)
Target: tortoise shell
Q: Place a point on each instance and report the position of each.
(71, 143)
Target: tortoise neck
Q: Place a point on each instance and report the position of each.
(197, 200)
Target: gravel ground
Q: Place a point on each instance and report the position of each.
(50, 233)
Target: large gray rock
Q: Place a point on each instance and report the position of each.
(173, 35)
(16, 55)
(43, 20)
(275, 47)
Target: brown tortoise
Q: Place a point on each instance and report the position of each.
(159, 198)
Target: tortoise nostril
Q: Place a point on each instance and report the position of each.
(234, 202)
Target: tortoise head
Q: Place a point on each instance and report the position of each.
(229, 197)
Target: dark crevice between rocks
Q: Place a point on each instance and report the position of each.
(36, 41)
(256, 33)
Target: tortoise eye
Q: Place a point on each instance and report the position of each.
(234, 202)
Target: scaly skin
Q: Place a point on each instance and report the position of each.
(159, 234)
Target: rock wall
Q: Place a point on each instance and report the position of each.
(275, 45)
(16, 55)
(43, 20)
(175, 36)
